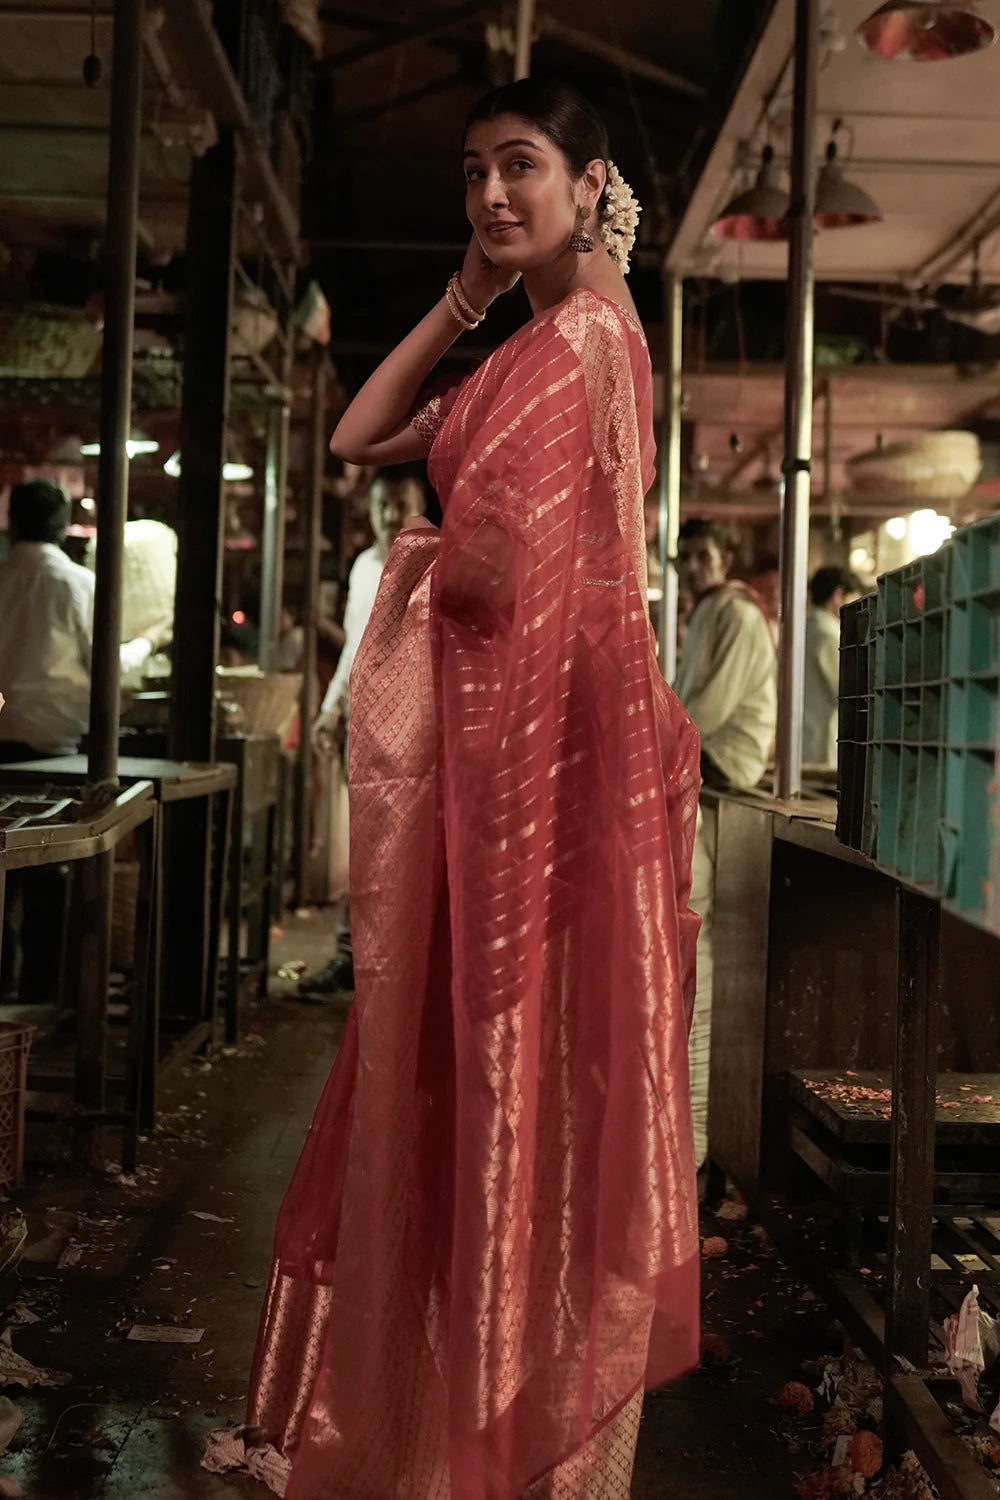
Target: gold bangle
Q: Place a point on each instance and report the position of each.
(459, 305)
(470, 315)
(454, 308)
(463, 301)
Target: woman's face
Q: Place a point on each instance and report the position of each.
(520, 197)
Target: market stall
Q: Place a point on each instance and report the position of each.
(854, 1056)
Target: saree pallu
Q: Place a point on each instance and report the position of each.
(490, 1243)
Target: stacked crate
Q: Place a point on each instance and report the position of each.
(857, 663)
(924, 809)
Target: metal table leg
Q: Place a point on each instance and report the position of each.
(149, 943)
(96, 887)
(223, 831)
(235, 915)
(914, 1089)
(140, 1065)
(272, 874)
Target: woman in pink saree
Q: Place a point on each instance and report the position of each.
(489, 1248)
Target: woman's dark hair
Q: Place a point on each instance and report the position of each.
(559, 112)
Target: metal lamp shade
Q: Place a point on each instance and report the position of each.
(840, 204)
(922, 31)
(759, 212)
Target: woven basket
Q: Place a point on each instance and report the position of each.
(268, 704)
(47, 340)
(254, 326)
(15, 1043)
(939, 467)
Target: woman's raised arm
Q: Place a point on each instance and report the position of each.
(375, 428)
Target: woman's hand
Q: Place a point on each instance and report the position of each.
(483, 287)
(326, 730)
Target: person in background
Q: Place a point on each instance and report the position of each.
(291, 643)
(726, 678)
(391, 503)
(46, 630)
(46, 636)
(829, 591)
(766, 584)
(727, 681)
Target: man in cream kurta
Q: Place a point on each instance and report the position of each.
(829, 590)
(727, 681)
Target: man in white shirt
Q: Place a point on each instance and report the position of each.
(727, 677)
(46, 630)
(830, 590)
(727, 681)
(391, 503)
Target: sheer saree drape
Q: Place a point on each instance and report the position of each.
(490, 1243)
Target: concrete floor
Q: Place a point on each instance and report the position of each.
(108, 1255)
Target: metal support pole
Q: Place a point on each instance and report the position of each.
(116, 389)
(310, 601)
(914, 1090)
(525, 38)
(670, 466)
(204, 414)
(798, 404)
(272, 547)
(831, 497)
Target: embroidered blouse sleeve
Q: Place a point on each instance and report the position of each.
(434, 406)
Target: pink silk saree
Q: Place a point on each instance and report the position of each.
(489, 1247)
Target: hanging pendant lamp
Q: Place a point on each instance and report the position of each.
(924, 31)
(841, 204)
(759, 212)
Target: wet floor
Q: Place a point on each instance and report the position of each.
(186, 1247)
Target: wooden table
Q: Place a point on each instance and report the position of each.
(87, 839)
(255, 868)
(826, 961)
(185, 958)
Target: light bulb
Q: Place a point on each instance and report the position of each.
(928, 531)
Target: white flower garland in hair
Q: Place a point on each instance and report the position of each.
(620, 218)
